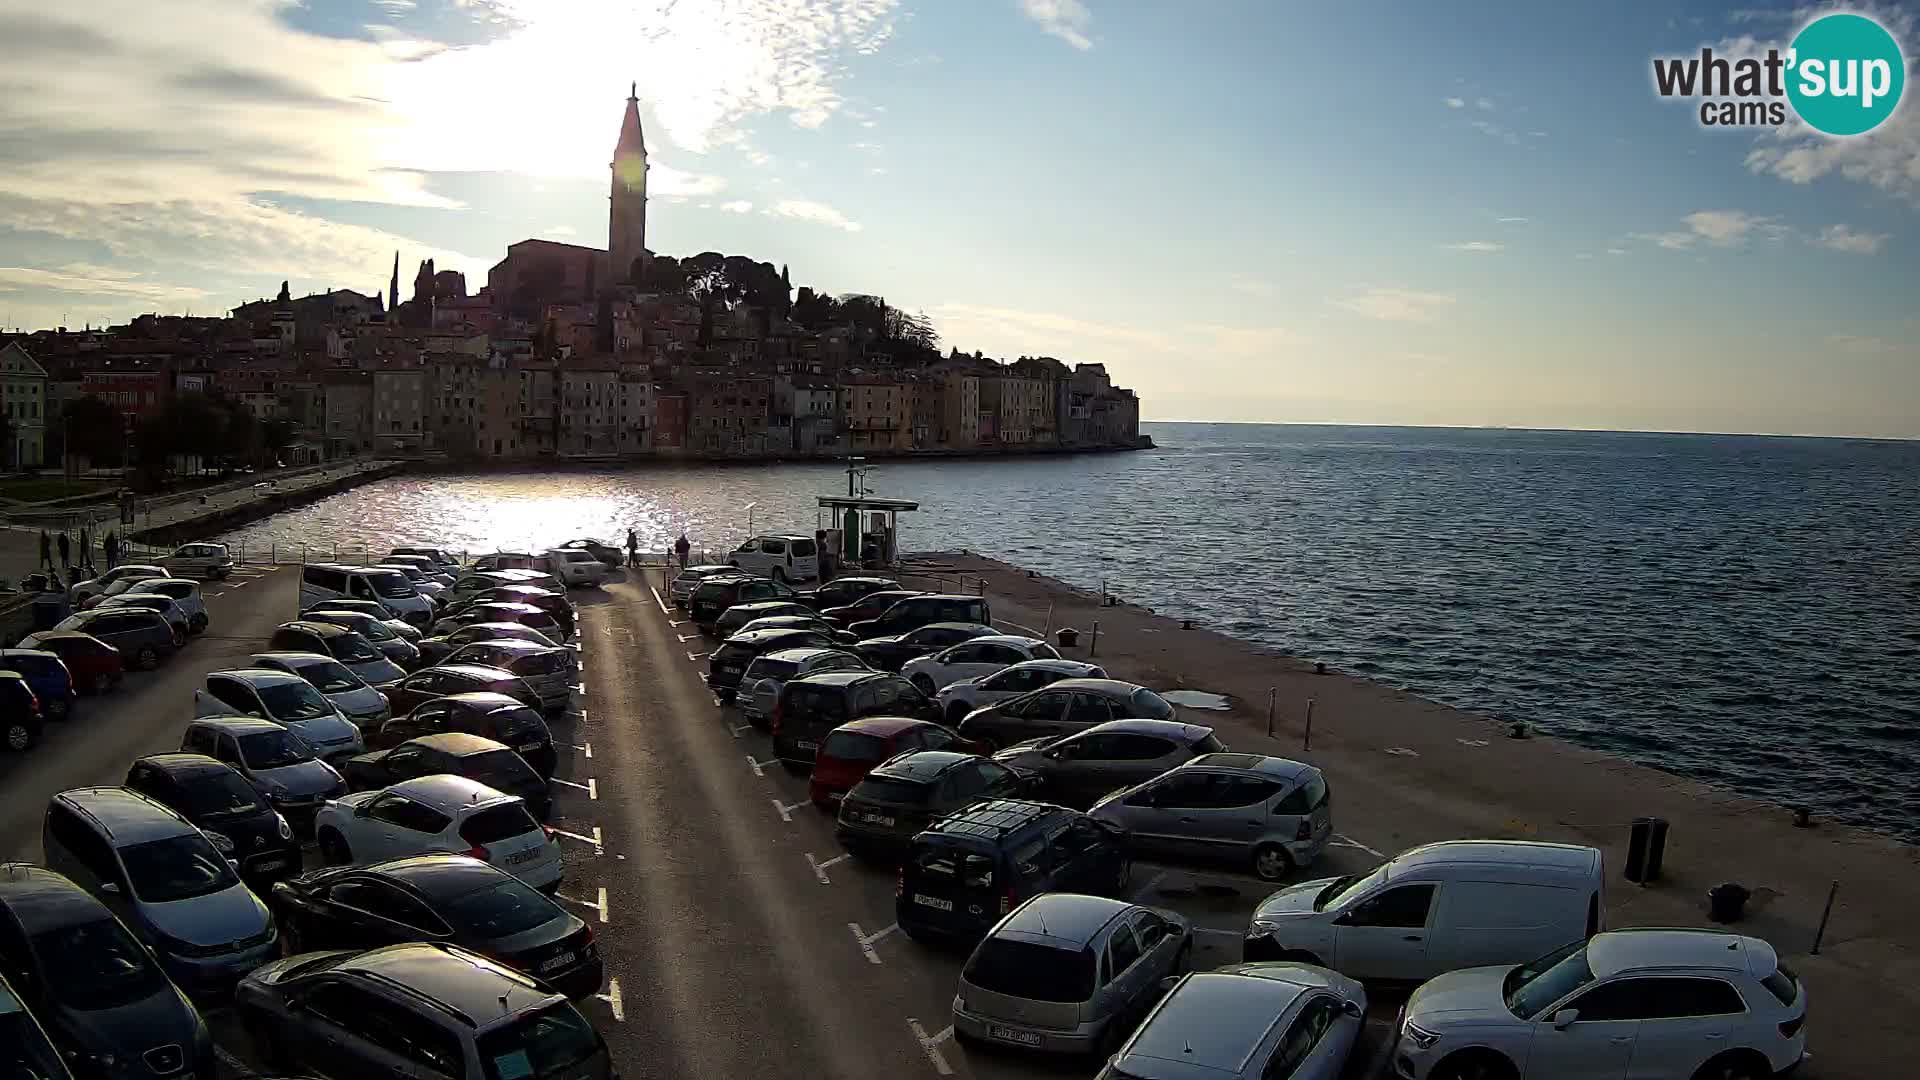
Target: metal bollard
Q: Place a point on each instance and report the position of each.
(1306, 737)
(1093, 643)
(1825, 913)
(1271, 692)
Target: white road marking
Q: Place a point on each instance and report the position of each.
(866, 940)
(1401, 751)
(591, 787)
(737, 729)
(759, 767)
(676, 622)
(599, 846)
(584, 747)
(717, 703)
(599, 905)
(786, 812)
(1152, 883)
(1343, 840)
(612, 998)
(581, 689)
(820, 868)
(696, 657)
(1471, 742)
(237, 585)
(932, 1045)
(1031, 632)
(684, 638)
(657, 600)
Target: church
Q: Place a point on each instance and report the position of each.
(539, 272)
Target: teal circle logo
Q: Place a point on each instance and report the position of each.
(1845, 74)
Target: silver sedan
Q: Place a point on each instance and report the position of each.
(1248, 1022)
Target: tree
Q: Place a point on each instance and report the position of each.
(94, 430)
(708, 286)
(277, 434)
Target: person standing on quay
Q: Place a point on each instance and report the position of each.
(66, 552)
(46, 550)
(633, 548)
(110, 547)
(680, 548)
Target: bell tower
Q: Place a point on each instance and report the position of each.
(627, 221)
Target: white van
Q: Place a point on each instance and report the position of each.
(1437, 908)
(782, 558)
(576, 566)
(320, 582)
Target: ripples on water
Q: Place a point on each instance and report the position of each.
(1741, 610)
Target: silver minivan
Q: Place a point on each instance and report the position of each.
(1068, 973)
(165, 880)
(278, 763)
(1267, 813)
(287, 700)
(363, 706)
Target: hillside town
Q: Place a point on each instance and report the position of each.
(565, 352)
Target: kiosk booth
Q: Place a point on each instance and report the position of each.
(861, 531)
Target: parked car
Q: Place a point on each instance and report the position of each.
(321, 582)
(185, 595)
(124, 585)
(507, 560)
(177, 621)
(344, 645)
(576, 566)
(735, 618)
(713, 597)
(966, 871)
(381, 633)
(914, 612)
(46, 675)
(493, 716)
(843, 591)
(855, 748)
(143, 637)
(445, 680)
(494, 764)
(457, 1014)
(440, 557)
(890, 652)
(1118, 754)
(974, 658)
(21, 718)
(800, 622)
(524, 614)
(957, 699)
(25, 1050)
(810, 707)
(100, 992)
(537, 577)
(362, 705)
(94, 665)
(222, 804)
(280, 765)
(203, 560)
(371, 608)
(760, 684)
(869, 606)
(1498, 900)
(606, 553)
(782, 557)
(553, 603)
(433, 812)
(474, 581)
(434, 650)
(438, 572)
(165, 880)
(450, 898)
(551, 672)
(427, 585)
(1248, 1022)
(691, 577)
(287, 700)
(93, 586)
(1069, 974)
(1655, 1003)
(1062, 708)
(727, 663)
(882, 812)
(1266, 813)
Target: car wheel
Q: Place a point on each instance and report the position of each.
(333, 848)
(1271, 862)
(956, 712)
(924, 685)
(147, 658)
(1474, 1065)
(1735, 1065)
(19, 736)
(198, 625)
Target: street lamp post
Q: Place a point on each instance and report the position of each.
(749, 509)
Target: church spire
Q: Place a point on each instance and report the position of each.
(627, 219)
(393, 286)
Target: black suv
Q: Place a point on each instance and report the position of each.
(713, 597)
(730, 658)
(479, 759)
(809, 707)
(970, 868)
(914, 612)
(223, 804)
(911, 791)
(843, 591)
(100, 993)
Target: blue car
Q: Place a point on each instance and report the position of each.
(46, 675)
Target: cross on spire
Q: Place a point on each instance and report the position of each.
(633, 90)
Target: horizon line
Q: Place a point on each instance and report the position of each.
(1547, 430)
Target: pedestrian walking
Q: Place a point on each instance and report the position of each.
(46, 550)
(86, 549)
(110, 547)
(680, 548)
(633, 548)
(66, 551)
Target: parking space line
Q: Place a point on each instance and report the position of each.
(786, 812)
(591, 787)
(684, 638)
(866, 940)
(584, 747)
(612, 998)
(657, 600)
(599, 847)
(1152, 883)
(599, 905)
(717, 703)
(696, 657)
(1343, 840)
(820, 868)
(735, 730)
(932, 1045)
(581, 689)
(759, 767)
(1031, 632)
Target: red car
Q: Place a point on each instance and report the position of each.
(95, 665)
(854, 749)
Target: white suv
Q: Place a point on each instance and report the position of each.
(439, 813)
(1652, 1003)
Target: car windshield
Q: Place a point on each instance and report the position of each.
(1345, 889)
(517, 726)
(548, 1042)
(177, 868)
(507, 908)
(503, 769)
(217, 794)
(97, 965)
(1532, 987)
(273, 749)
(854, 746)
(1151, 705)
(540, 663)
(293, 701)
(887, 790)
(499, 822)
(330, 677)
(371, 629)
(769, 668)
(351, 648)
(1026, 969)
(391, 584)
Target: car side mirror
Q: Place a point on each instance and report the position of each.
(1564, 1019)
(111, 888)
(1353, 1009)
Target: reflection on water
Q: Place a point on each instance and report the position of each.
(1742, 610)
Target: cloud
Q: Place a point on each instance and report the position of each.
(665, 180)
(1720, 228)
(1846, 238)
(1396, 305)
(1483, 103)
(1866, 345)
(1456, 103)
(1493, 130)
(1479, 247)
(817, 212)
(559, 230)
(1066, 335)
(81, 279)
(1511, 220)
(1252, 286)
(737, 206)
(1068, 20)
(1616, 251)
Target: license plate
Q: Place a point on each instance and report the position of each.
(523, 856)
(269, 864)
(803, 744)
(879, 819)
(1027, 1038)
(525, 747)
(933, 902)
(731, 669)
(557, 962)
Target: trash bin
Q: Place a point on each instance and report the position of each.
(1727, 902)
(1646, 849)
(1069, 637)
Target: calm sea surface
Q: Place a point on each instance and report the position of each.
(1742, 610)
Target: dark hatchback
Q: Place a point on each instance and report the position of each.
(486, 761)
(810, 707)
(869, 606)
(95, 666)
(97, 989)
(882, 813)
(970, 868)
(711, 598)
(546, 600)
(843, 591)
(914, 612)
(221, 803)
(20, 715)
(448, 679)
(144, 637)
(497, 611)
(889, 652)
(491, 716)
(25, 1051)
(730, 658)
(47, 675)
(453, 899)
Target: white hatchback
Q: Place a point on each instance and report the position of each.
(185, 594)
(1653, 1003)
(439, 813)
(974, 658)
(957, 699)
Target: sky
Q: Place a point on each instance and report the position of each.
(1248, 210)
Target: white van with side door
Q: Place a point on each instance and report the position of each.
(321, 582)
(1437, 908)
(782, 557)
(575, 566)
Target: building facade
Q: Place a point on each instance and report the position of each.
(23, 395)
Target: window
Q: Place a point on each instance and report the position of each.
(1043, 707)
(1301, 1038)
(1622, 999)
(1031, 970)
(1088, 710)
(1124, 747)
(407, 814)
(1184, 791)
(1684, 997)
(966, 782)
(1403, 906)
(406, 1034)
(1782, 984)
(1247, 791)
(1151, 928)
(1305, 798)
(1123, 949)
